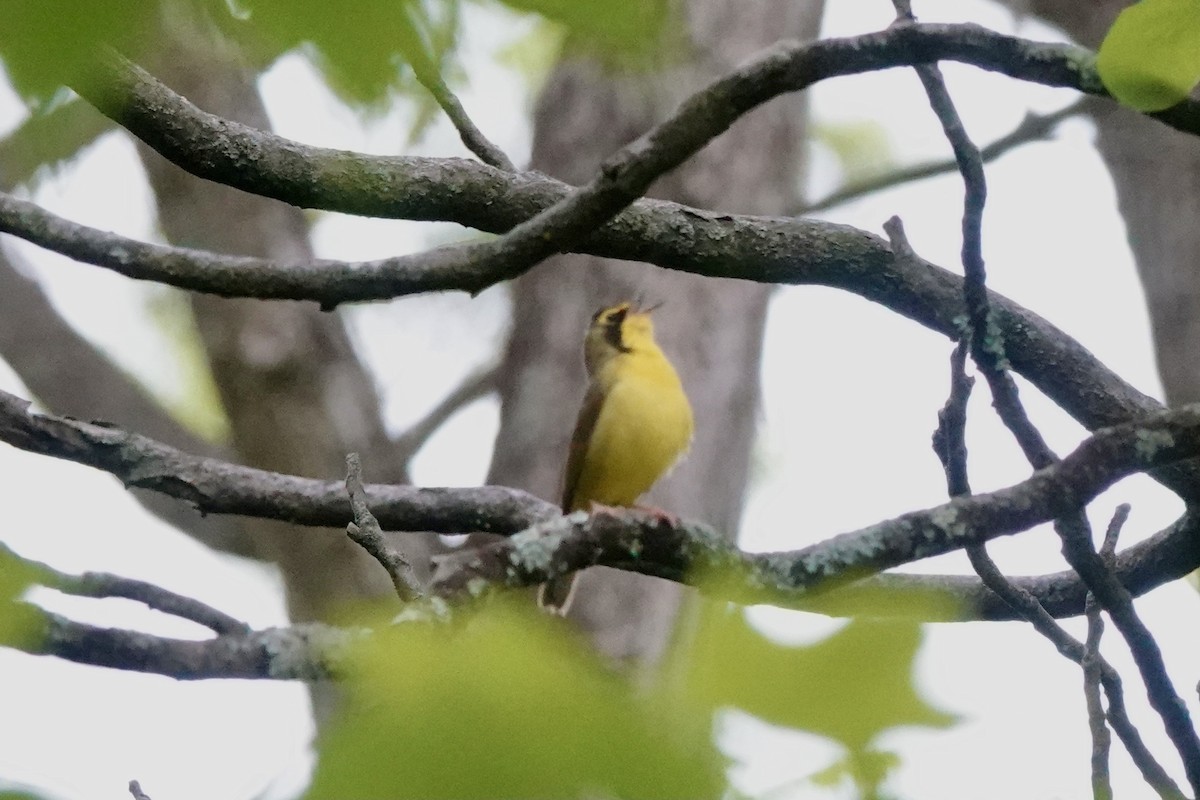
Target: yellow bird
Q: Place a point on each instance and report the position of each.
(634, 425)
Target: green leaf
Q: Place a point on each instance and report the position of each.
(20, 622)
(862, 148)
(505, 704)
(629, 27)
(361, 49)
(47, 139)
(508, 702)
(1150, 59)
(851, 687)
(48, 43)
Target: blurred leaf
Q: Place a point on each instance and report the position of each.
(20, 622)
(48, 43)
(507, 702)
(1150, 59)
(504, 704)
(361, 47)
(851, 687)
(48, 138)
(366, 50)
(866, 770)
(197, 403)
(534, 54)
(862, 148)
(616, 27)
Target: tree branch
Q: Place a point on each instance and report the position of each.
(1116, 600)
(571, 543)
(365, 531)
(103, 584)
(987, 348)
(472, 138)
(1032, 128)
(706, 243)
(949, 443)
(218, 487)
(1097, 719)
(784, 579)
(233, 154)
(302, 652)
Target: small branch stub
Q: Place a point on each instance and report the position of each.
(366, 533)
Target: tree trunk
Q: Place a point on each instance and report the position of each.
(296, 396)
(711, 329)
(1156, 172)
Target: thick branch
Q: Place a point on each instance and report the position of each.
(218, 487)
(230, 153)
(779, 578)
(572, 543)
(706, 243)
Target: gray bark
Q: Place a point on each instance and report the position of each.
(1156, 173)
(711, 329)
(296, 396)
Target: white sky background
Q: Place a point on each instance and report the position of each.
(834, 364)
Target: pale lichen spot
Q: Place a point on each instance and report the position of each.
(946, 520)
(533, 549)
(427, 609)
(1150, 442)
(303, 651)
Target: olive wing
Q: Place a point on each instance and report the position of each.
(585, 426)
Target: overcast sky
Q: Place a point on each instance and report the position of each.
(834, 363)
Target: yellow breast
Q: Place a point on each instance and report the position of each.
(643, 426)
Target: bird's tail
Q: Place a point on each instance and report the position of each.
(556, 594)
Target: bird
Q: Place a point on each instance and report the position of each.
(634, 426)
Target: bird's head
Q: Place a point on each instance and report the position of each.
(617, 329)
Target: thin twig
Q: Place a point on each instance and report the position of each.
(1101, 741)
(1032, 128)
(987, 348)
(365, 532)
(1029, 608)
(475, 386)
(103, 584)
(1116, 600)
(428, 73)
(987, 343)
(949, 443)
(471, 136)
